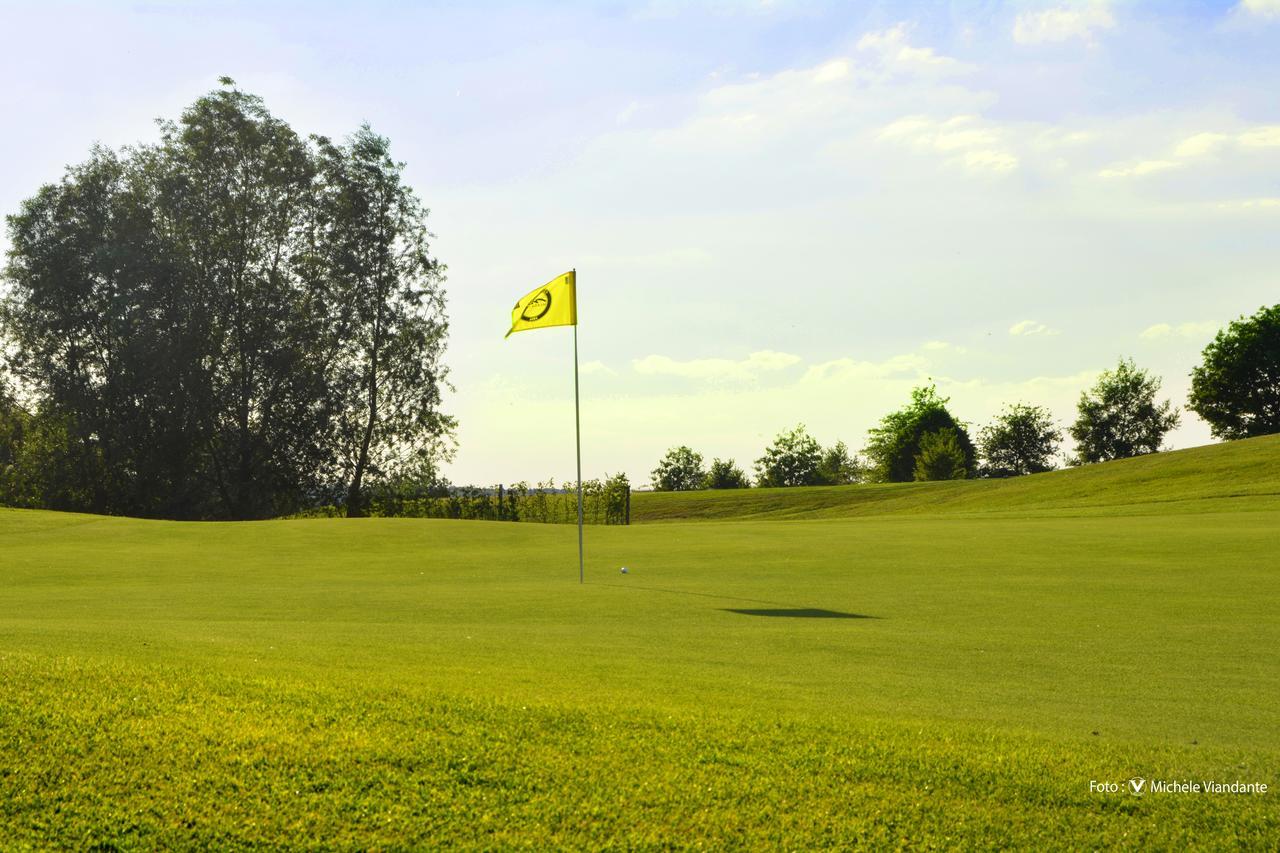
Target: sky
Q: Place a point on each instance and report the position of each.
(780, 212)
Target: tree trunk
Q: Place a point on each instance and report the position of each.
(355, 497)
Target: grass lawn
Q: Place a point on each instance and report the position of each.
(923, 679)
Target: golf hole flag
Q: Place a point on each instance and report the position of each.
(553, 304)
(556, 304)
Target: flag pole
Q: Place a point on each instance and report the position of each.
(577, 425)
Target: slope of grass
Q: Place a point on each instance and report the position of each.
(384, 682)
(1235, 475)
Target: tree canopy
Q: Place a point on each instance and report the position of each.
(1236, 388)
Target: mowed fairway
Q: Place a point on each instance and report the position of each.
(916, 679)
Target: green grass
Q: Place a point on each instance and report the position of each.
(1240, 475)
(417, 683)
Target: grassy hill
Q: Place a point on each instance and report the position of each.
(1234, 475)
(895, 679)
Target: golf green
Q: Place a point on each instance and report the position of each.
(908, 679)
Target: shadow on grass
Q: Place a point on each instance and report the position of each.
(780, 608)
(688, 592)
(798, 613)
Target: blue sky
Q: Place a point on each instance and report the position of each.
(780, 212)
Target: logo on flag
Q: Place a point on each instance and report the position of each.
(537, 307)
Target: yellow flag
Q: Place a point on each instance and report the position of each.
(553, 304)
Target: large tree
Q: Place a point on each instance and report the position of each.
(230, 323)
(1236, 389)
(1119, 417)
(893, 446)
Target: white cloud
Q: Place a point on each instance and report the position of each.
(899, 366)
(1261, 137)
(1200, 144)
(989, 160)
(1062, 24)
(746, 369)
(1251, 204)
(597, 368)
(626, 113)
(1197, 147)
(1027, 328)
(895, 54)
(1140, 168)
(1269, 9)
(1203, 329)
(835, 70)
(974, 146)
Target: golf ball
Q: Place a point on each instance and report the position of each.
(623, 570)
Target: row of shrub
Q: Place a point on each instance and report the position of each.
(605, 501)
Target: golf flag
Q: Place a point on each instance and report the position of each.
(553, 304)
(556, 304)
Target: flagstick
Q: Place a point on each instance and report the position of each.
(577, 426)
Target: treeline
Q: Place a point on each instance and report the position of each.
(232, 322)
(604, 501)
(1236, 390)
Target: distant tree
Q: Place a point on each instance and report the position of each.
(893, 446)
(1022, 440)
(1119, 416)
(725, 474)
(679, 471)
(941, 456)
(838, 467)
(793, 459)
(1237, 387)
